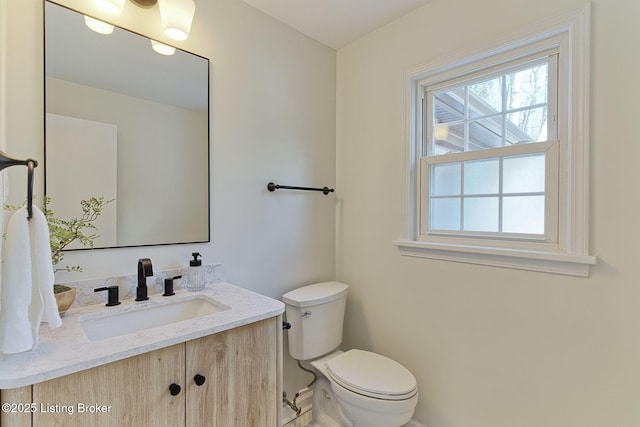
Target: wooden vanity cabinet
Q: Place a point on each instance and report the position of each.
(243, 369)
(130, 392)
(232, 378)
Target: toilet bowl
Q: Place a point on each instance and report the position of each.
(355, 388)
(369, 390)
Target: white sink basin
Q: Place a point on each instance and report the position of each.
(137, 318)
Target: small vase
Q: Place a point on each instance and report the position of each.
(64, 297)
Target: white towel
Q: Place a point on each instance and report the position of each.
(27, 283)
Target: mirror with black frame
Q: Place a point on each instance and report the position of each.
(130, 125)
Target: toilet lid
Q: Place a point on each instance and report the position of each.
(372, 375)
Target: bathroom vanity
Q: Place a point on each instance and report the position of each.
(219, 369)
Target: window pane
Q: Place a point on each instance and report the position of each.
(523, 174)
(446, 179)
(448, 138)
(485, 98)
(449, 106)
(481, 214)
(445, 214)
(485, 133)
(523, 214)
(527, 87)
(481, 176)
(448, 121)
(527, 126)
(507, 109)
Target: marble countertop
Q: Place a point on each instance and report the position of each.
(67, 349)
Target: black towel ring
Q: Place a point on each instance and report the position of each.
(8, 161)
(31, 165)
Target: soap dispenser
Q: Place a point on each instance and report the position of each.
(195, 279)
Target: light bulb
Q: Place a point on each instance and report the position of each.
(177, 16)
(98, 26)
(162, 49)
(113, 7)
(441, 131)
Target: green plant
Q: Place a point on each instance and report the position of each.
(63, 232)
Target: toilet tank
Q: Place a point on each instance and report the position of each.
(316, 314)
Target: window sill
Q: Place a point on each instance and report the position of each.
(548, 262)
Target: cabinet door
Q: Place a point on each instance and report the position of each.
(130, 392)
(18, 413)
(242, 384)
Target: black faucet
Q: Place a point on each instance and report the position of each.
(144, 270)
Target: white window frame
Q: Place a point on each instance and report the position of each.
(569, 252)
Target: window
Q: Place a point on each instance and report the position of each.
(497, 153)
(489, 152)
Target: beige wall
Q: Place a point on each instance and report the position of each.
(493, 347)
(273, 119)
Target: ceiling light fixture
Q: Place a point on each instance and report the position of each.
(441, 131)
(98, 26)
(112, 7)
(176, 15)
(162, 49)
(144, 3)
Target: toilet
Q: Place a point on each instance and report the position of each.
(354, 388)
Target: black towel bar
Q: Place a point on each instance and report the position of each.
(273, 187)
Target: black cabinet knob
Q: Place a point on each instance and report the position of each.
(174, 389)
(199, 379)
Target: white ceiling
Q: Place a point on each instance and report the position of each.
(336, 23)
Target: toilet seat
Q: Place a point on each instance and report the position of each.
(372, 375)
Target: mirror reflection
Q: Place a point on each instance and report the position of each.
(124, 122)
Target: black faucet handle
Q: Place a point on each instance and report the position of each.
(168, 286)
(112, 296)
